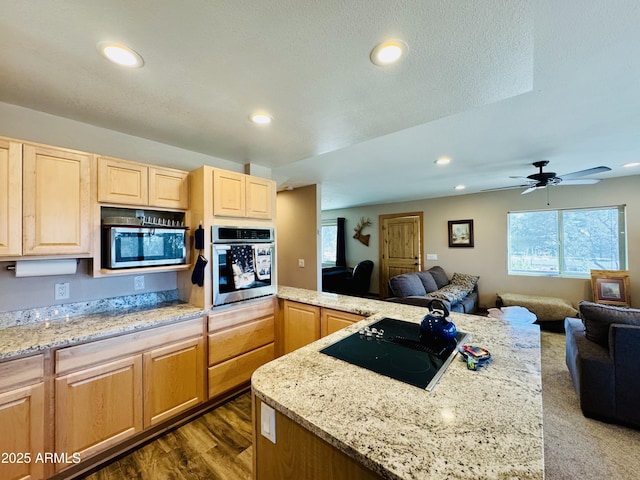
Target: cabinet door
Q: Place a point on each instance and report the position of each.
(56, 201)
(173, 380)
(259, 197)
(334, 320)
(228, 193)
(301, 325)
(10, 197)
(22, 420)
(237, 371)
(120, 181)
(168, 188)
(98, 407)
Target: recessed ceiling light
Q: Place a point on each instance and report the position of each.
(460, 187)
(260, 118)
(631, 164)
(387, 53)
(443, 161)
(120, 54)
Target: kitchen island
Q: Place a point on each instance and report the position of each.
(474, 424)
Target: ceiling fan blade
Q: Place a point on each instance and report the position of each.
(582, 181)
(583, 173)
(530, 189)
(504, 188)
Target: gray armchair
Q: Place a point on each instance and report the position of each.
(602, 358)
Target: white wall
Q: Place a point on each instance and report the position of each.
(489, 256)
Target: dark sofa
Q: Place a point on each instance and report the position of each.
(460, 294)
(602, 350)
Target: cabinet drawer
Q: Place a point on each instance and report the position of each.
(23, 371)
(80, 356)
(228, 343)
(238, 370)
(236, 314)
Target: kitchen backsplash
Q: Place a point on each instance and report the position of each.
(124, 303)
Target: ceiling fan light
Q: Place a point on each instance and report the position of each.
(443, 161)
(459, 187)
(631, 164)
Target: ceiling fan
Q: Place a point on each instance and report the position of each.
(544, 179)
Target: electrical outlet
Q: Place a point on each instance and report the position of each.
(138, 282)
(61, 291)
(432, 256)
(301, 262)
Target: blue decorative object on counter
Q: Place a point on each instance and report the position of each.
(436, 323)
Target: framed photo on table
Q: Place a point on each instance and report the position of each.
(611, 287)
(461, 233)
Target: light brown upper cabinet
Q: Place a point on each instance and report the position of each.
(131, 183)
(56, 201)
(10, 197)
(239, 195)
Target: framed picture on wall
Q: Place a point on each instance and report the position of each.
(611, 287)
(460, 233)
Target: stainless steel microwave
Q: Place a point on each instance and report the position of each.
(127, 247)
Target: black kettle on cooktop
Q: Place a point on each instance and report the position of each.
(436, 323)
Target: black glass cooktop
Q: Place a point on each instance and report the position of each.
(398, 352)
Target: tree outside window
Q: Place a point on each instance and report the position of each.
(567, 242)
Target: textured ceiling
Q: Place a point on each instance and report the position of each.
(495, 84)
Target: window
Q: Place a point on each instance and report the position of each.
(567, 243)
(329, 242)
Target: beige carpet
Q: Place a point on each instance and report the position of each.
(576, 447)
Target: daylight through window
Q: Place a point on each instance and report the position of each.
(567, 243)
(329, 242)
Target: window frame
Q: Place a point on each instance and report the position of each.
(560, 212)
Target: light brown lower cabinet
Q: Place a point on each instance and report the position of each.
(22, 417)
(173, 380)
(303, 323)
(110, 390)
(98, 407)
(334, 320)
(241, 339)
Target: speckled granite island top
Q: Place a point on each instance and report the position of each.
(475, 424)
(37, 336)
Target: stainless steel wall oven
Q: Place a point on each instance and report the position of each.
(243, 263)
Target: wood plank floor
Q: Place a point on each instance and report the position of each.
(216, 445)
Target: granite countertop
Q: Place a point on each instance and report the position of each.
(474, 424)
(20, 340)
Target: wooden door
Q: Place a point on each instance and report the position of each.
(228, 193)
(168, 188)
(400, 246)
(173, 380)
(301, 325)
(22, 420)
(56, 201)
(120, 181)
(334, 320)
(10, 197)
(259, 197)
(98, 407)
